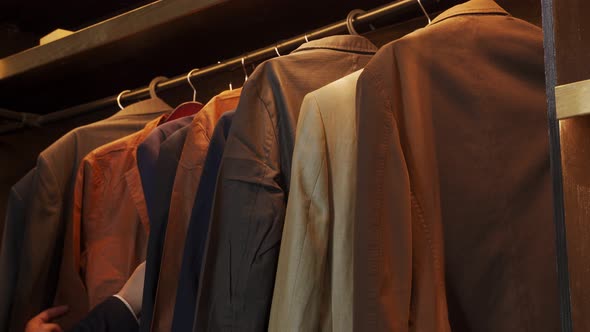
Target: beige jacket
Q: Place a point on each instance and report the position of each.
(313, 287)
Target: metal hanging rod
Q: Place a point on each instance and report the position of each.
(266, 52)
(286, 46)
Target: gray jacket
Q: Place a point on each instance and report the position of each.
(36, 234)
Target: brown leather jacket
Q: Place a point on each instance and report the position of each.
(453, 138)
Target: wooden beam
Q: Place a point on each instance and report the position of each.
(165, 38)
(572, 99)
(123, 27)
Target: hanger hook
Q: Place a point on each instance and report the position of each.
(188, 78)
(277, 50)
(245, 72)
(306, 40)
(154, 85)
(119, 98)
(424, 11)
(350, 20)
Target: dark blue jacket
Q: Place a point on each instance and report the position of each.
(109, 316)
(170, 151)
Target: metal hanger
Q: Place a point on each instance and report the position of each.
(230, 85)
(349, 21)
(424, 11)
(277, 50)
(245, 71)
(119, 98)
(188, 78)
(154, 85)
(186, 108)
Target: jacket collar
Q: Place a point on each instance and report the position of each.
(141, 135)
(472, 7)
(345, 43)
(148, 106)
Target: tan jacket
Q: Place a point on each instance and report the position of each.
(453, 136)
(313, 286)
(186, 182)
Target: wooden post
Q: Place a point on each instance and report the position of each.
(567, 54)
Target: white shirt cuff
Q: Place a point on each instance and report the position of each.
(127, 305)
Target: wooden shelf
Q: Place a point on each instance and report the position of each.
(120, 28)
(167, 38)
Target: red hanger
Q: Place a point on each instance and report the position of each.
(188, 108)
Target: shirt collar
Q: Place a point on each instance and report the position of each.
(347, 43)
(472, 7)
(148, 106)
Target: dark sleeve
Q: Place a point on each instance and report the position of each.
(246, 224)
(112, 315)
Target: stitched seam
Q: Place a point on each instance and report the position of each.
(427, 232)
(379, 172)
(481, 11)
(229, 95)
(50, 169)
(205, 133)
(274, 129)
(340, 49)
(197, 129)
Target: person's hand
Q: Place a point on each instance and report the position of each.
(42, 322)
(132, 291)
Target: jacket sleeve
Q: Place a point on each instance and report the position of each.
(41, 247)
(301, 273)
(383, 228)
(112, 315)
(246, 224)
(12, 241)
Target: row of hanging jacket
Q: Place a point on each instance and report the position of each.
(343, 188)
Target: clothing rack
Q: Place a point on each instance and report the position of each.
(398, 7)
